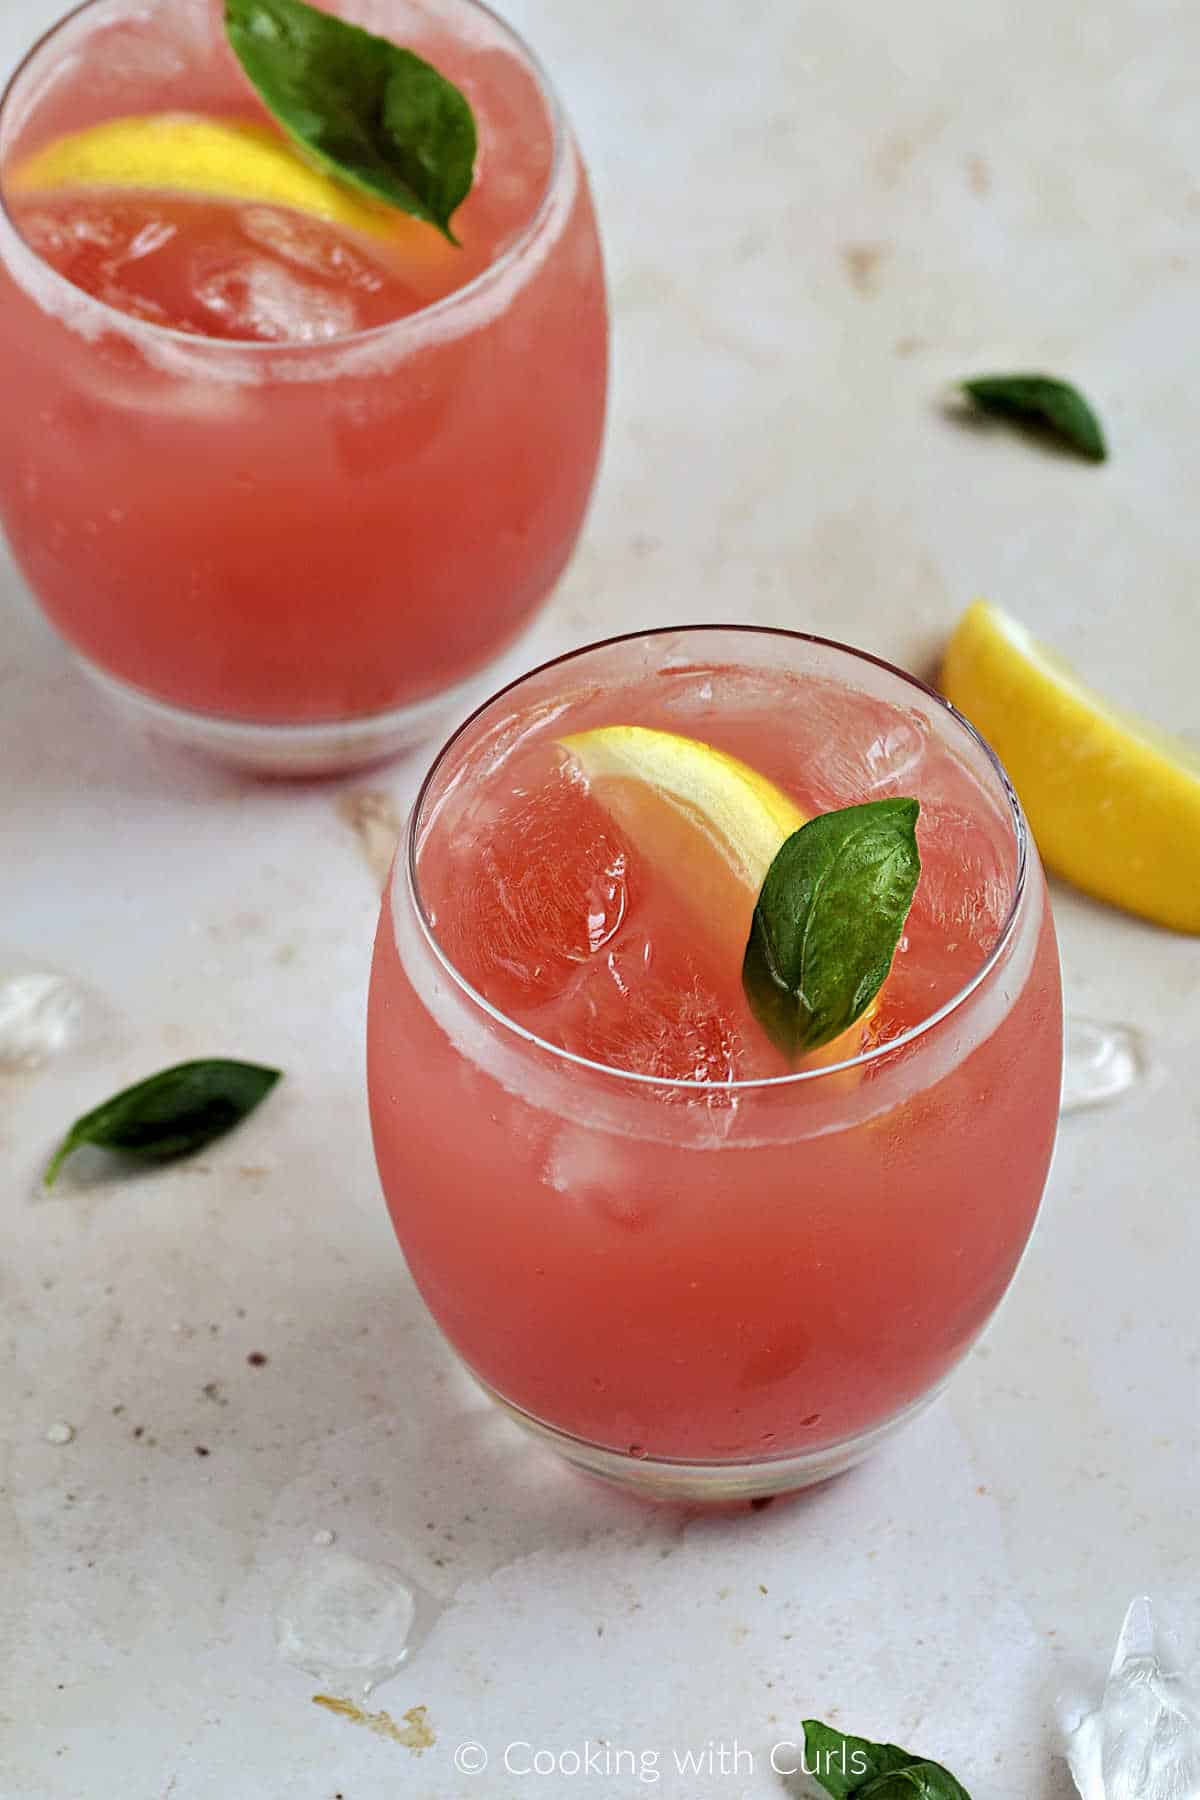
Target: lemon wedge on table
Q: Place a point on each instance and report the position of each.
(707, 821)
(1113, 802)
(226, 159)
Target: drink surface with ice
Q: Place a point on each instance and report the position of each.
(231, 268)
(550, 910)
(221, 270)
(699, 1270)
(260, 466)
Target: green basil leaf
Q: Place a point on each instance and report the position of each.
(919, 1781)
(171, 1114)
(1044, 401)
(845, 1766)
(377, 116)
(828, 920)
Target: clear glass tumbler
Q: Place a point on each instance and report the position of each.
(293, 553)
(713, 1287)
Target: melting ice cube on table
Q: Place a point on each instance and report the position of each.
(346, 1621)
(1143, 1740)
(1100, 1063)
(40, 1014)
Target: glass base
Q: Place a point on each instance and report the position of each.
(287, 750)
(714, 1483)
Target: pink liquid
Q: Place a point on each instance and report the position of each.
(705, 1273)
(277, 518)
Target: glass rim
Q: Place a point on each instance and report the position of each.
(231, 348)
(874, 1052)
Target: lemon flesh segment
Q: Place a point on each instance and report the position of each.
(1113, 802)
(226, 159)
(709, 823)
(744, 817)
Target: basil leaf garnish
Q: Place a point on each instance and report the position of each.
(1044, 401)
(377, 116)
(828, 920)
(845, 1766)
(919, 1781)
(172, 1113)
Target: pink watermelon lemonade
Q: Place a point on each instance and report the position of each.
(690, 1265)
(286, 474)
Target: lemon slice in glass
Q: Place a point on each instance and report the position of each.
(707, 822)
(226, 159)
(711, 824)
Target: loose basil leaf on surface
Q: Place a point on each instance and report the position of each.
(828, 920)
(846, 1766)
(377, 116)
(172, 1113)
(1041, 400)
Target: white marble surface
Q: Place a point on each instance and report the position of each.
(814, 218)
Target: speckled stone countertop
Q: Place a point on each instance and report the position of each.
(814, 219)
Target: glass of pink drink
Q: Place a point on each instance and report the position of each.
(285, 487)
(683, 1262)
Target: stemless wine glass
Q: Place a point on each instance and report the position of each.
(295, 553)
(723, 1287)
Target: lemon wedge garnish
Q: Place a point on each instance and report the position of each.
(1113, 802)
(226, 159)
(707, 821)
(712, 824)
